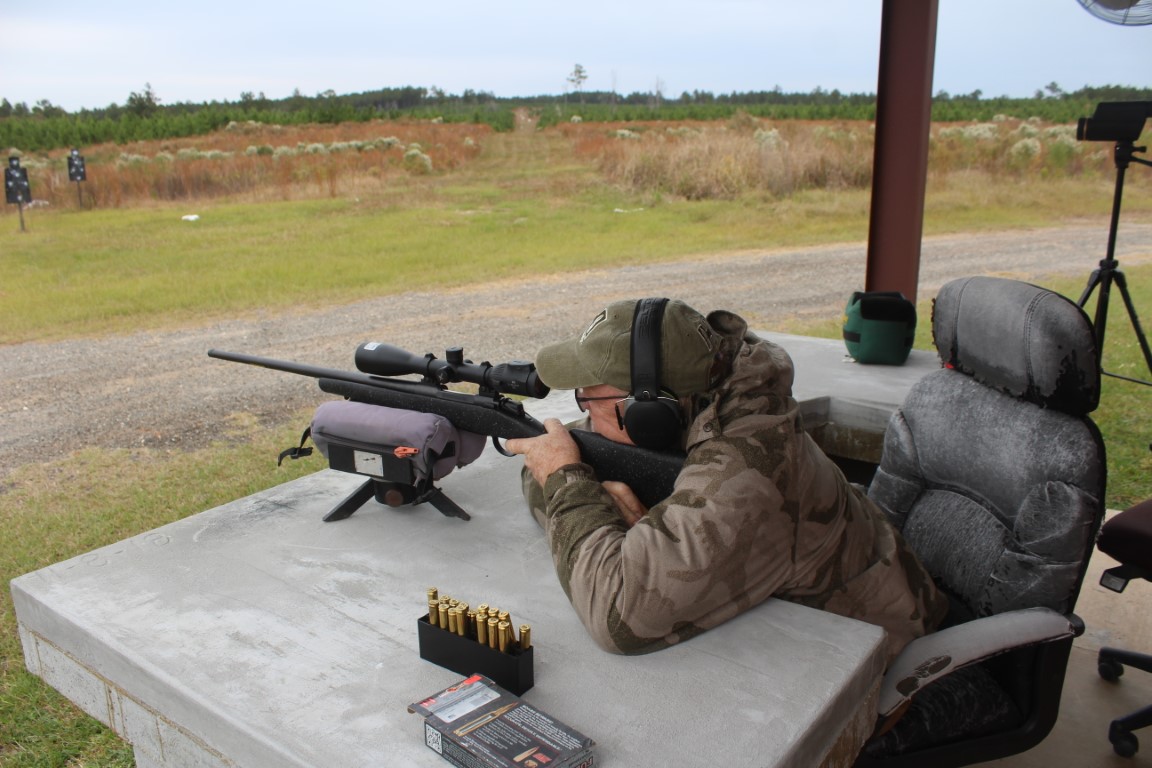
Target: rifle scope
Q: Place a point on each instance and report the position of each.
(516, 377)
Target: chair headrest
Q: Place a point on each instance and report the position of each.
(1021, 339)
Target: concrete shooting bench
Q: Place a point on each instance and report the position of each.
(254, 634)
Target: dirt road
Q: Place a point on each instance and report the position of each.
(160, 388)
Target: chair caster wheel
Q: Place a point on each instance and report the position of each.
(1124, 743)
(1109, 670)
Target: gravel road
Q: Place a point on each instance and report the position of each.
(160, 388)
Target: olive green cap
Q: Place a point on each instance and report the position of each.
(601, 354)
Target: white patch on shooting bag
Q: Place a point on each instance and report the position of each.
(368, 463)
(592, 326)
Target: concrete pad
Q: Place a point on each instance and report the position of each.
(255, 634)
(824, 369)
(845, 404)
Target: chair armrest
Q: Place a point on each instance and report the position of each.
(930, 657)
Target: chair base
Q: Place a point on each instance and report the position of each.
(1045, 665)
(1110, 664)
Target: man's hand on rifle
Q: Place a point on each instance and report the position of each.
(631, 509)
(547, 453)
(554, 449)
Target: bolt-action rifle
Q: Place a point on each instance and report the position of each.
(490, 411)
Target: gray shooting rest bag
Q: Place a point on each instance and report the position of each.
(401, 452)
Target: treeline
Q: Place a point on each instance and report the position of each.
(143, 117)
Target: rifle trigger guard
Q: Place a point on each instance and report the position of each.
(499, 448)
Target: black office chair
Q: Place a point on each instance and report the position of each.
(995, 475)
(1127, 538)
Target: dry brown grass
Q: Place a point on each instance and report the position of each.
(746, 155)
(725, 160)
(691, 160)
(259, 162)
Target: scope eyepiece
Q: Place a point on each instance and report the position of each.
(516, 377)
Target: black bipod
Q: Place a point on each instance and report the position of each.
(395, 495)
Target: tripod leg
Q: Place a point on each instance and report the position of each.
(447, 507)
(1101, 278)
(352, 502)
(1093, 281)
(1122, 282)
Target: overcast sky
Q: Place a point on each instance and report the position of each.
(79, 53)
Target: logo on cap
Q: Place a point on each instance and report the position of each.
(596, 321)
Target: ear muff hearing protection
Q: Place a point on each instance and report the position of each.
(652, 418)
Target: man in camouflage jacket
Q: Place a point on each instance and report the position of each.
(757, 511)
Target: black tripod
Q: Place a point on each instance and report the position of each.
(1108, 273)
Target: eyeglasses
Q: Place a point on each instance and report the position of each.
(621, 400)
(621, 406)
(582, 401)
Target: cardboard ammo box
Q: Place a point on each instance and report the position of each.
(478, 724)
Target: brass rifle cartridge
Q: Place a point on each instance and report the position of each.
(493, 632)
(505, 630)
(525, 637)
(443, 609)
(481, 629)
(434, 613)
(433, 594)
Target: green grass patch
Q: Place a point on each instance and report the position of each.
(52, 512)
(112, 271)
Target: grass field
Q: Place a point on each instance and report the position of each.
(525, 203)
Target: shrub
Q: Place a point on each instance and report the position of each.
(716, 162)
(1023, 155)
(768, 137)
(416, 161)
(127, 158)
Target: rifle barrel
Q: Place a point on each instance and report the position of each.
(302, 369)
